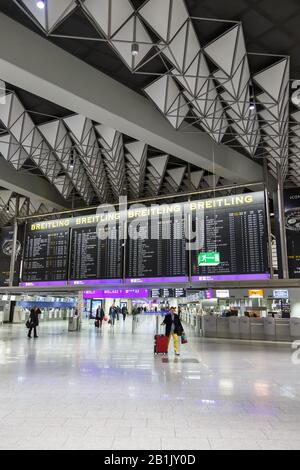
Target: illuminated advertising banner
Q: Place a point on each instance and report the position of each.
(256, 294)
(6, 246)
(292, 225)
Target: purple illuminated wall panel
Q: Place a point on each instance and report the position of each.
(156, 280)
(44, 284)
(94, 282)
(232, 277)
(116, 294)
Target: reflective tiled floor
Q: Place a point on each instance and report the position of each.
(106, 390)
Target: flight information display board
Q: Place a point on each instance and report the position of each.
(159, 247)
(156, 249)
(46, 255)
(167, 293)
(234, 227)
(93, 258)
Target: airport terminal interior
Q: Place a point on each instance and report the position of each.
(149, 225)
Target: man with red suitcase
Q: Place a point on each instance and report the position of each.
(174, 329)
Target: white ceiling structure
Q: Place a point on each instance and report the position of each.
(88, 159)
(204, 87)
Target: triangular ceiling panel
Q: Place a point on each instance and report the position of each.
(110, 15)
(157, 13)
(50, 132)
(76, 124)
(159, 164)
(132, 31)
(196, 177)
(38, 13)
(177, 174)
(222, 50)
(179, 16)
(271, 79)
(57, 10)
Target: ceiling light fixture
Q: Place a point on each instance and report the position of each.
(252, 105)
(7, 208)
(40, 4)
(135, 49)
(72, 163)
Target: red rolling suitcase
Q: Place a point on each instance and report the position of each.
(160, 344)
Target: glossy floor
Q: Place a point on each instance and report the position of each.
(106, 390)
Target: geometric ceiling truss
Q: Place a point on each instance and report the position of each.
(173, 180)
(200, 88)
(61, 145)
(8, 207)
(88, 153)
(21, 140)
(274, 83)
(156, 171)
(136, 164)
(111, 142)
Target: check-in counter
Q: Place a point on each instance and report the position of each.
(222, 327)
(260, 329)
(234, 327)
(245, 331)
(283, 329)
(295, 328)
(257, 328)
(210, 326)
(270, 328)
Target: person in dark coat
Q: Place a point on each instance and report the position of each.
(34, 321)
(124, 312)
(112, 314)
(174, 328)
(100, 316)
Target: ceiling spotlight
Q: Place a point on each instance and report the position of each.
(72, 163)
(7, 208)
(252, 106)
(135, 49)
(40, 4)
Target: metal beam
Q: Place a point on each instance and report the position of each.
(40, 67)
(29, 185)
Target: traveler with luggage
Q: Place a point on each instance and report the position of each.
(33, 321)
(99, 317)
(174, 328)
(112, 315)
(124, 312)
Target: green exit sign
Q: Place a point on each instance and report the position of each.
(209, 259)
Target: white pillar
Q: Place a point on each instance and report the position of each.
(295, 302)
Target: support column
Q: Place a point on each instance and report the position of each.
(281, 218)
(80, 308)
(295, 302)
(268, 215)
(14, 247)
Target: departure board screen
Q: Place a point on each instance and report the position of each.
(46, 255)
(156, 250)
(93, 257)
(235, 228)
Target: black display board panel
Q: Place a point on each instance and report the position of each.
(160, 250)
(236, 228)
(46, 255)
(92, 258)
